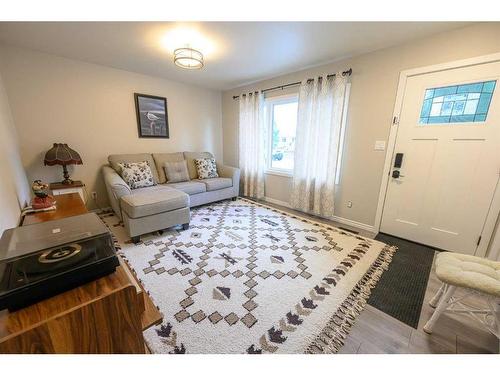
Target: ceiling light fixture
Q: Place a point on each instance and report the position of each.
(188, 58)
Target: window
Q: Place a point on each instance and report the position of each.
(460, 103)
(282, 118)
(281, 115)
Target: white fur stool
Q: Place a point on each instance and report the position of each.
(475, 275)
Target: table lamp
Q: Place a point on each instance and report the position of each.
(61, 154)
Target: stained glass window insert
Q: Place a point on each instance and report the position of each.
(459, 103)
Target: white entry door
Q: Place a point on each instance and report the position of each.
(448, 141)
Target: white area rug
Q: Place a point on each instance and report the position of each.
(247, 278)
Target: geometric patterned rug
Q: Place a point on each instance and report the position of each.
(248, 278)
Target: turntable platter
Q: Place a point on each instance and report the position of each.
(60, 254)
(55, 260)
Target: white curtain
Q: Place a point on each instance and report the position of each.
(252, 144)
(320, 112)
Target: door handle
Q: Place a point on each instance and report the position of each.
(396, 174)
(398, 162)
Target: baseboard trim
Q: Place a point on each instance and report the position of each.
(338, 219)
(355, 224)
(277, 201)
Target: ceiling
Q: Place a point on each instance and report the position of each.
(236, 53)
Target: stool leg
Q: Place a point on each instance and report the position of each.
(435, 300)
(443, 304)
(495, 303)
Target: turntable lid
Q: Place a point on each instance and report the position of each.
(17, 242)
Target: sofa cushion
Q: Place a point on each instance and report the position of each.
(137, 175)
(176, 171)
(190, 156)
(133, 158)
(151, 188)
(153, 201)
(160, 160)
(189, 187)
(217, 183)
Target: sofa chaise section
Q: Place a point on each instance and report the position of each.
(154, 209)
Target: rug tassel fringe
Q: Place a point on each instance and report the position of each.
(333, 335)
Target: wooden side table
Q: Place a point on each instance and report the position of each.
(58, 188)
(66, 205)
(106, 315)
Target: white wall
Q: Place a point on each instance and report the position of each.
(373, 92)
(14, 189)
(91, 108)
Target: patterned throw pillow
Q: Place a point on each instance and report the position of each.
(137, 175)
(206, 168)
(176, 171)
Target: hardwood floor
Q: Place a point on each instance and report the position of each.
(375, 332)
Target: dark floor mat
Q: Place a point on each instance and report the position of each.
(401, 289)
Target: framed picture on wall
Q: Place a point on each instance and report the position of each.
(152, 116)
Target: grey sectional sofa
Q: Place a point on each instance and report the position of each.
(166, 204)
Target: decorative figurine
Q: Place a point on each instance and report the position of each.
(42, 199)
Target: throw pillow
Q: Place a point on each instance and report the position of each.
(176, 171)
(137, 175)
(206, 168)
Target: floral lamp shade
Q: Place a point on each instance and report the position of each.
(62, 154)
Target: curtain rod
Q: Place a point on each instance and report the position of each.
(344, 73)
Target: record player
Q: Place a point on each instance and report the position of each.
(40, 260)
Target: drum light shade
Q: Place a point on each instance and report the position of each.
(188, 58)
(62, 154)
